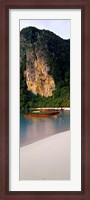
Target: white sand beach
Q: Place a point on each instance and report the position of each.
(47, 159)
(55, 108)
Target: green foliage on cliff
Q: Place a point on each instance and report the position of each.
(56, 53)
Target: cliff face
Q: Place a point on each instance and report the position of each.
(37, 78)
(46, 60)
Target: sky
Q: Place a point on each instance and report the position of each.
(59, 27)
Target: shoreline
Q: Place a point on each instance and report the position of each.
(47, 159)
(50, 108)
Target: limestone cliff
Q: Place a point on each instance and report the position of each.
(45, 68)
(37, 78)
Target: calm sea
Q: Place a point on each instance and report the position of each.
(34, 129)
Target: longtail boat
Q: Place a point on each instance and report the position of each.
(41, 114)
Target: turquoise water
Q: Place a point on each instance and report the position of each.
(34, 129)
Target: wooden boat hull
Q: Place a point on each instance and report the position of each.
(41, 114)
